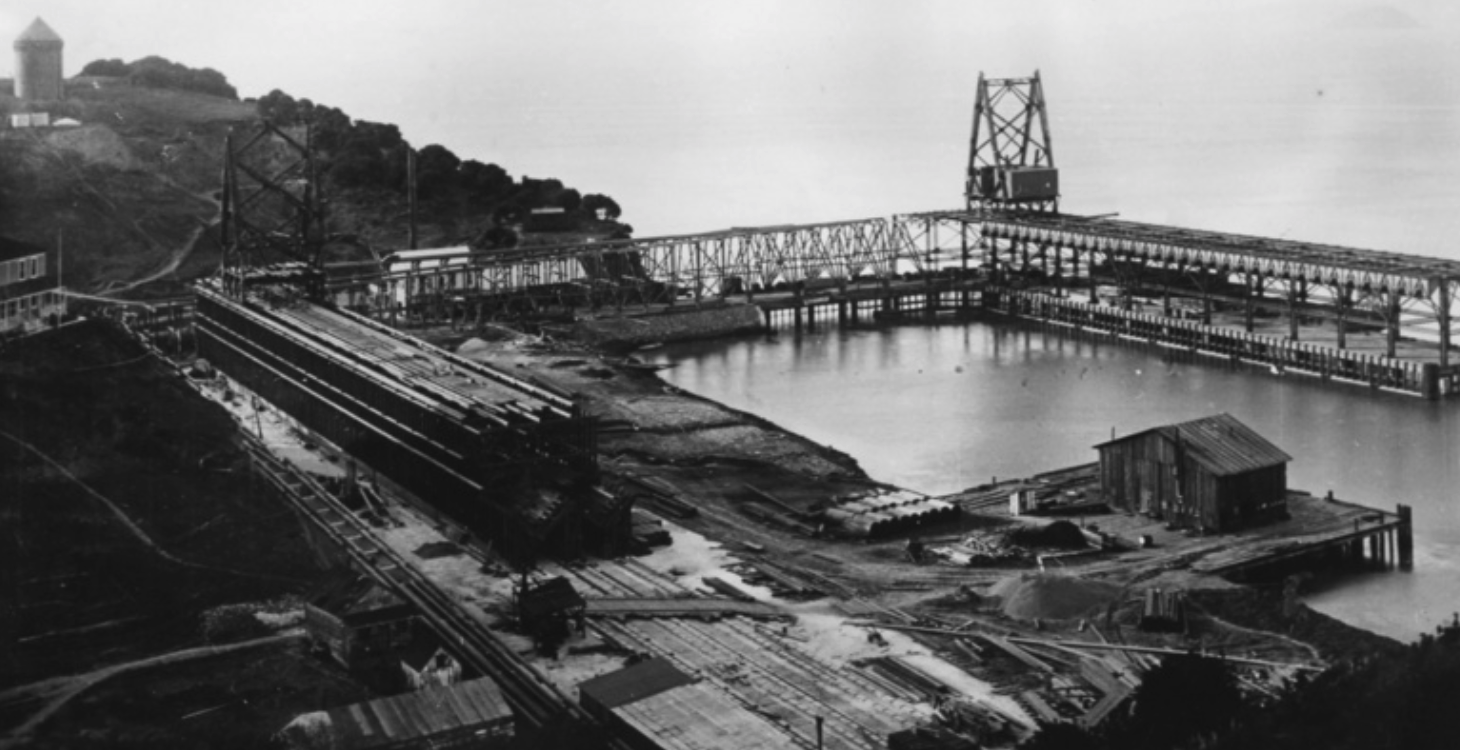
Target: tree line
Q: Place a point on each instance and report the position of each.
(162, 73)
(359, 154)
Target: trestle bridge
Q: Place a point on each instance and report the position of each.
(1283, 303)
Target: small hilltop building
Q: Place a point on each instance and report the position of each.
(38, 69)
(1214, 474)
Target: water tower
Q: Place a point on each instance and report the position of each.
(38, 63)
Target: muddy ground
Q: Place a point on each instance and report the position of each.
(703, 450)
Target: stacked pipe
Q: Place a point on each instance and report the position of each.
(881, 514)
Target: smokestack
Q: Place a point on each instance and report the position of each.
(819, 722)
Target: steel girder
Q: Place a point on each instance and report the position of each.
(710, 265)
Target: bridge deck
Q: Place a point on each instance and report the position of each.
(1328, 263)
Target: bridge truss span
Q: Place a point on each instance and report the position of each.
(698, 266)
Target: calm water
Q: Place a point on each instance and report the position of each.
(1264, 117)
(942, 408)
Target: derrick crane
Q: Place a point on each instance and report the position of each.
(1010, 158)
(272, 226)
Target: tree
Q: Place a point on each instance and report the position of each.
(1186, 696)
(568, 199)
(113, 68)
(485, 180)
(435, 170)
(594, 201)
(278, 107)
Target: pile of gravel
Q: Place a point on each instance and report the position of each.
(1042, 596)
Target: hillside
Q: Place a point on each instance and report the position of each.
(133, 191)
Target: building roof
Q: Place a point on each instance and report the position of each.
(411, 717)
(1220, 444)
(38, 31)
(676, 712)
(12, 249)
(551, 597)
(363, 602)
(422, 651)
(633, 684)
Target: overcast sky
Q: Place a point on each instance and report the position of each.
(651, 100)
(373, 57)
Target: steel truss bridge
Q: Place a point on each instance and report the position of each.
(1402, 293)
(696, 266)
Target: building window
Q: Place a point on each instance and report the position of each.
(33, 266)
(4, 273)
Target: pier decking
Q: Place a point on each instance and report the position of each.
(1318, 530)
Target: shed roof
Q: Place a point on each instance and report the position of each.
(416, 716)
(362, 601)
(551, 597)
(38, 31)
(1221, 444)
(632, 684)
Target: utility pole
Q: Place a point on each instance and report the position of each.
(411, 192)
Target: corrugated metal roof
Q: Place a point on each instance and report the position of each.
(419, 715)
(38, 31)
(632, 684)
(1221, 444)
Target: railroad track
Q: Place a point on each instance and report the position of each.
(533, 698)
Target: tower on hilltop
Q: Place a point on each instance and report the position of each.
(38, 63)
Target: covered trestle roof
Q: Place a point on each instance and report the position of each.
(1374, 270)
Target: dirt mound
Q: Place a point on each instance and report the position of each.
(1060, 534)
(97, 144)
(1053, 597)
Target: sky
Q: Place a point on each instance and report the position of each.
(681, 91)
(376, 58)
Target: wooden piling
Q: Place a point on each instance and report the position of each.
(1406, 537)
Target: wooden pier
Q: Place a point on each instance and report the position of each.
(1318, 532)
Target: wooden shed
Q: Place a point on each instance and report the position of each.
(1214, 474)
(472, 714)
(652, 705)
(358, 621)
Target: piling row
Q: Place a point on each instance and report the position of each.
(1282, 354)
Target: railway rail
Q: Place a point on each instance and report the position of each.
(533, 698)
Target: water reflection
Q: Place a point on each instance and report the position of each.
(941, 408)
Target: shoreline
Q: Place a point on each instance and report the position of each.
(693, 446)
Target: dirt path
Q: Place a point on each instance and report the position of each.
(58, 691)
(1295, 643)
(180, 255)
